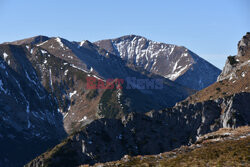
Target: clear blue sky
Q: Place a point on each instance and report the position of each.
(210, 28)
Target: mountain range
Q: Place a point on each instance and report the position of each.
(44, 99)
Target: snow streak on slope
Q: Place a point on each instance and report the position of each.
(170, 61)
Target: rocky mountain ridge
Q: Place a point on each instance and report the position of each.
(44, 96)
(46, 79)
(155, 132)
(136, 134)
(233, 79)
(176, 63)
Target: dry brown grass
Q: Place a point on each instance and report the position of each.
(223, 88)
(227, 152)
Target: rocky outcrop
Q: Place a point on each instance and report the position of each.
(137, 134)
(236, 63)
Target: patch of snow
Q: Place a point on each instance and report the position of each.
(27, 47)
(60, 42)
(72, 65)
(227, 134)
(42, 43)
(28, 107)
(28, 112)
(72, 94)
(176, 74)
(31, 50)
(91, 69)
(45, 61)
(172, 49)
(98, 77)
(243, 74)
(175, 65)
(65, 115)
(217, 139)
(44, 51)
(5, 55)
(83, 119)
(185, 54)
(231, 77)
(50, 78)
(29, 124)
(66, 72)
(119, 94)
(1, 87)
(27, 76)
(81, 43)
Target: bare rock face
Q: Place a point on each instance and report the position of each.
(137, 134)
(244, 45)
(176, 63)
(236, 63)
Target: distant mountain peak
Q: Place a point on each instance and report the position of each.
(174, 62)
(33, 40)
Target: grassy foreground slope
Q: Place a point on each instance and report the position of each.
(225, 147)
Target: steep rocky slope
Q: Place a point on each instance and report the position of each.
(154, 132)
(42, 99)
(28, 111)
(44, 95)
(137, 134)
(174, 62)
(234, 78)
(226, 147)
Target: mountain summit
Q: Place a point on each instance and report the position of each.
(176, 63)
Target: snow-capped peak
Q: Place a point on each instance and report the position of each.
(81, 43)
(59, 41)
